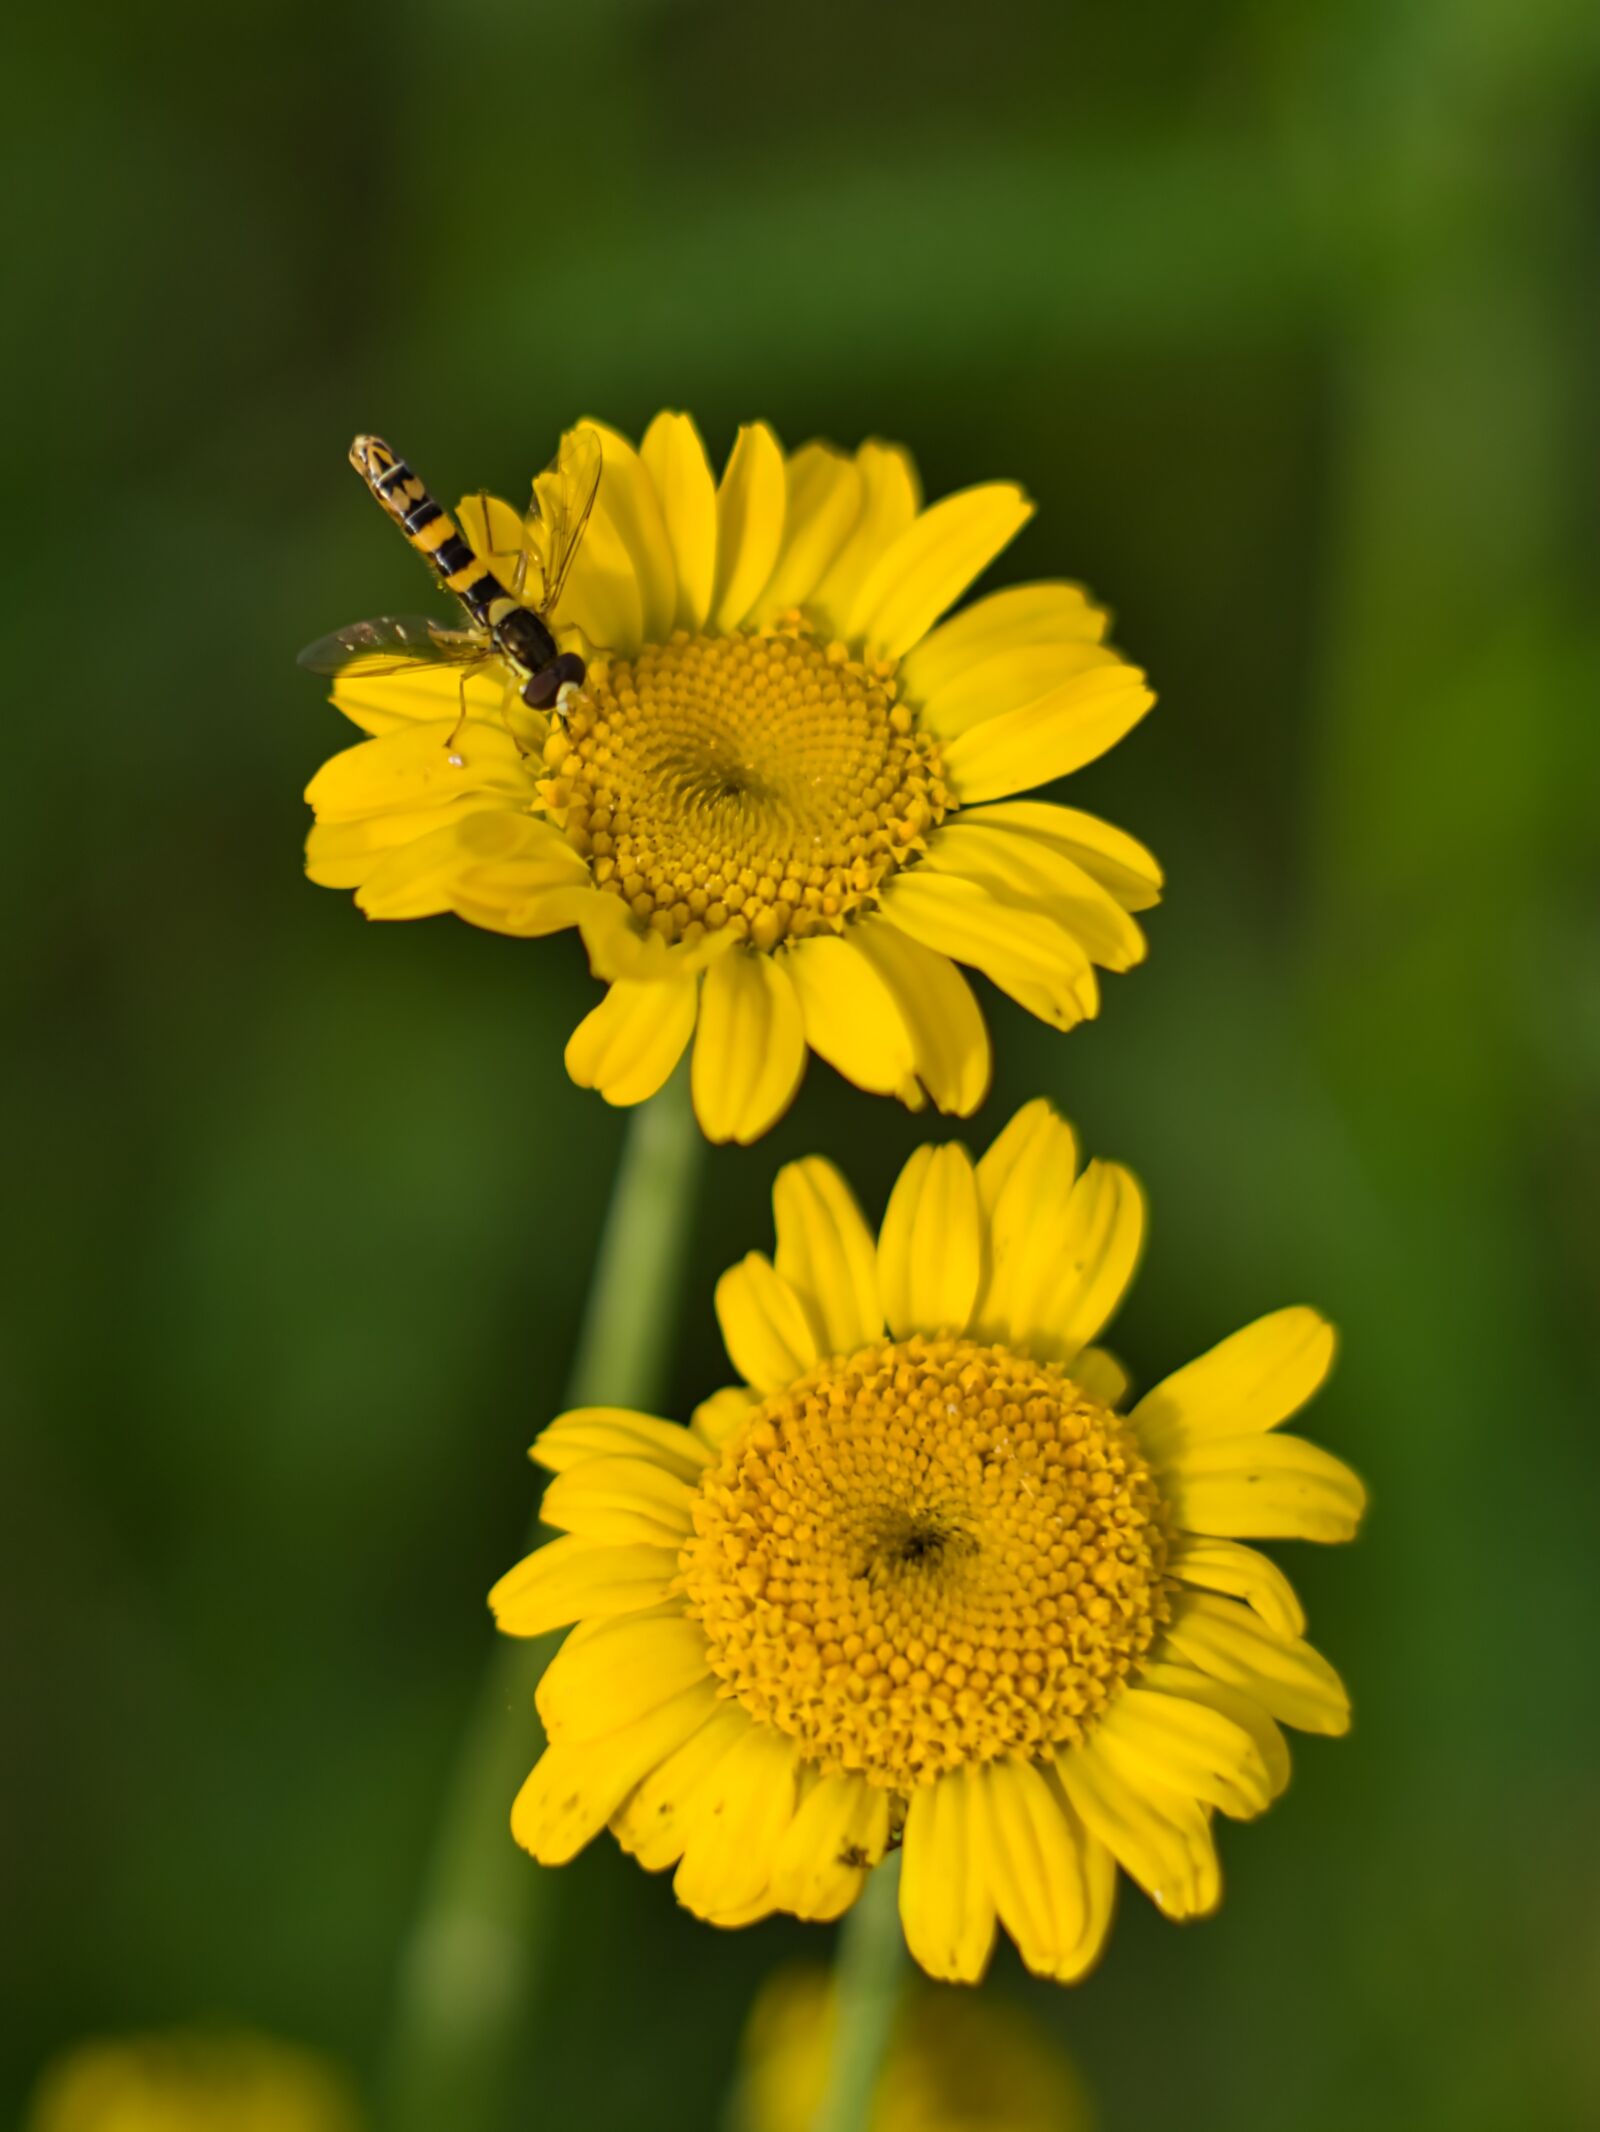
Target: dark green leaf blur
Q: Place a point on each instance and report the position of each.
(1286, 314)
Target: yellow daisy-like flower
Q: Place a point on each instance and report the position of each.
(780, 810)
(192, 2080)
(919, 1578)
(971, 2064)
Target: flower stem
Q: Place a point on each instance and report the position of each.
(470, 1966)
(870, 1977)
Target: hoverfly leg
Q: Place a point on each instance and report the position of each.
(508, 697)
(455, 759)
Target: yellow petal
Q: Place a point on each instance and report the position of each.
(930, 1251)
(1039, 1873)
(932, 563)
(344, 854)
(416, 880)
(1011, 620)
(1101, 1375)
(743, 1816)
(1009, 680)
(620, 1500)
(889, 498)
(621, 951)
(653, 1824)
(1248, 1382)
(750, 1048)
(1045, 740)
(570, 1580)
(627, 1046)
(1032, 1137)
(1025, 870)
(1159, 1739)
(764, 1325)
(1024, 952)
(603, 597)
(1286, 1676)
(1118, 862)
(1025, 1180)
(421, 695)
(948, 1036)
(514, 900)
(412, 767)
(1170, 1678)
(839, 1832)
(716, 1419)
(1263, 1488)
(577, 1785)
(850, 1014)
(426, 876)
(617, 1671)
(751, 503)
(676, 459)
(946, 1906)
(750, 1913)
(824, 503)
(619, 1432)
(1240, 1573)
(826, 1254)
(1100, 1251)
(629, 499)
(1164, 1842)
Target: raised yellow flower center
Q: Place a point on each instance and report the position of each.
(765, 782)
(933, 1553)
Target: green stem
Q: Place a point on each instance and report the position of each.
(470, 1965)
(871, 1974)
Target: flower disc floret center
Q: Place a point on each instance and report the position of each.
(764, 782)
(933, 1553)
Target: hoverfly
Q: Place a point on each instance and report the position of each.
(505, 624)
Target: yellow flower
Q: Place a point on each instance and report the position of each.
(920, 1578)
(780, 810)
(192, 2080)
(954, 2065)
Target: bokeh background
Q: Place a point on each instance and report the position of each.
(1286, 312)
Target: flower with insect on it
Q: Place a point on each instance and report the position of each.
(782, 807)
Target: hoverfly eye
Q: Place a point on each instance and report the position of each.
(540, 690)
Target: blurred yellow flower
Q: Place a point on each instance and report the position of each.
(968, 2064)
(780, 809)
(192, 2080)
(918, 1578)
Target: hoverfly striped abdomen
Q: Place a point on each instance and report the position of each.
(430, 529)
(506, 625)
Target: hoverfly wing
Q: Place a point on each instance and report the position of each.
(392, 643)
(563, 497)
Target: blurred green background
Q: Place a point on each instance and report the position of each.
(1286, 313)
